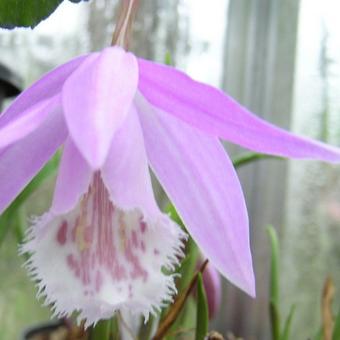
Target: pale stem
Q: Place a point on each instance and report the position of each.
(124, 23)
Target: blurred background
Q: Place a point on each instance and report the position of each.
(281, 59)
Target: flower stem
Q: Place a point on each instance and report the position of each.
(177, 306)
(122, 32)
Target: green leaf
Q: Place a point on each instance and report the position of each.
(188, 265)
(9, 215)
(177, 306)
(186, 319)
(101, 330)
(185, 323)
(171, 211)
(168, 59)
(146, 329)
(250, 157)
(274, 284)
(26, 13)
(288, 324)
(274, 271)
(44, 173)
(336, 330)
(318, 335)
(202, 316)
(4, 225)
(115, 333)
(20, 225)
(274, 321)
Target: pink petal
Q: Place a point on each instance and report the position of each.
(28, 121)
(201, 182)
(48, 86)
(96, 99)
(73, 180)
(20, 161)
(126, 173)
(217, 114)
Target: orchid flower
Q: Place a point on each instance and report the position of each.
(103, 243)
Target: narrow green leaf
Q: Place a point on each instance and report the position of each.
(189, 264)
(20, 224)
(9, 214)
(185, 323)
(115, 328)
(336, 330)
(44, 173)
(202, 316)
(4, 226)
(146, 329)
(274, 284)
(274, 321)
(101, 330)
(288, 324)
(186, 271)
(318, 335)
(177, 306)
(172, 212)
(274, 271)
(187, 318)
(250, 157)
(168, 59)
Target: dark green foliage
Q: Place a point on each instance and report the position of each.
(288, 323)
(274, 293)
(26, 13)
(274, 284)
(12, 213)
(336, 330)
(202, 316)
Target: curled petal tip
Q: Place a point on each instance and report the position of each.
(200, 180)
(217, 114)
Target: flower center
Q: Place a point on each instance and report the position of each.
(108, 241)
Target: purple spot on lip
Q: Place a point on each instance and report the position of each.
(99, 281)
(142, 225)
(62, 233)
(142, 245)
(134, 239)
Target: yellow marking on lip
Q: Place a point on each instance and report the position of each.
(122, 233)
(81, 242)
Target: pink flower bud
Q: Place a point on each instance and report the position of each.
(213, 289)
